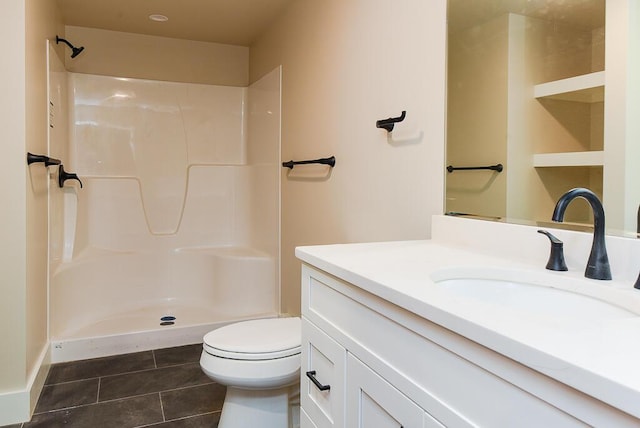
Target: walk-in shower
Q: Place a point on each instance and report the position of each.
(176, 230)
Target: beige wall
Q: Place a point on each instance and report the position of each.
(622, 132)
(114, 53)
(13, 223)
(43, 22)
(345, 65)
(23, 113)
(476, 135)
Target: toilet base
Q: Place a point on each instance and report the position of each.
(250, 408)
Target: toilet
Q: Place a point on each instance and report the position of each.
(259, 363)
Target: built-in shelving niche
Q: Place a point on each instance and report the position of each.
(576, 106)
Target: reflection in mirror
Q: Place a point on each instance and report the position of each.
(526, 90)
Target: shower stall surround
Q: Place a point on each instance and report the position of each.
(176, 230)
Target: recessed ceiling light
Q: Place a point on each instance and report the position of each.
(158, 17)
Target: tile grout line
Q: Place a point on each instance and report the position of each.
(72, 381)
(153, 354)
(179, 419)
(156, 392)
(136, 371)
(98, 392)
(142, 394)
(111, 400)
(164, 418)
(96, 404)
(189, 386)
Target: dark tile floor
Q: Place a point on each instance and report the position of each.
(164, 388)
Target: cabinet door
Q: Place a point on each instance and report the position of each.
(372, 402)
(323, 361)
(305, 420)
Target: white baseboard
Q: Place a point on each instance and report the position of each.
(17, 406)
(39, 376)
(14, 407)
(63, 350)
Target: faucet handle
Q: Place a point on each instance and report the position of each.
(556, 257)
(64, 176)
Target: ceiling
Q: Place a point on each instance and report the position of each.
(588, 14)
(240, 22)
(234, 22)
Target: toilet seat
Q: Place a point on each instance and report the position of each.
(259, 364)
(264, 339)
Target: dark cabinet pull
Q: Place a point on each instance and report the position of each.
(312, 375)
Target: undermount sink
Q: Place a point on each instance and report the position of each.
(536, 298)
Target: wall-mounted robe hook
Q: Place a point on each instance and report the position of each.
(388, 123)
(64, 176)
(31, 158)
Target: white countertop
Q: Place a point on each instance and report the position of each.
(599, 358)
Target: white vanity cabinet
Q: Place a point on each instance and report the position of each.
(388, 367)
(348, 393)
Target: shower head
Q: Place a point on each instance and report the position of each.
(74, 50)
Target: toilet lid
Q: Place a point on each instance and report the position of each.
(255, 340)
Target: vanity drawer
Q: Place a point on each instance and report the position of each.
(324, 361)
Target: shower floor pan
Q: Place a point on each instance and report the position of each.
(140, 330)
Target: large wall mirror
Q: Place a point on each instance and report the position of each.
(547, 90)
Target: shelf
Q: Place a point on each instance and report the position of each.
(593, 158)
(588, 88)
(568, 225)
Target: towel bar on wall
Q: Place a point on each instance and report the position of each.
(31, 158)
(497, 167)
(324, 161)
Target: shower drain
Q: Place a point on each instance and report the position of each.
(167, 320)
